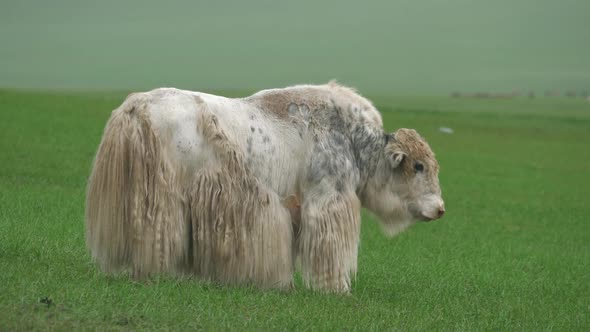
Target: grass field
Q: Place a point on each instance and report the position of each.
(512, 252)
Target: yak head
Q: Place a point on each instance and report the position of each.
(405, 187)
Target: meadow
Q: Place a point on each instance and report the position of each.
(511, 253)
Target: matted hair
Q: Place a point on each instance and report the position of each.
(146, 215)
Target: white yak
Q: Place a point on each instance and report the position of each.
(237, 190)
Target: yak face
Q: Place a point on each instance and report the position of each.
(405, 186)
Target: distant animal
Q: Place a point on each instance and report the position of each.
(237, 190)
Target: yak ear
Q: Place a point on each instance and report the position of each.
(396, 157)
(393, 151)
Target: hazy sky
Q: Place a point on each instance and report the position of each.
(386, 47)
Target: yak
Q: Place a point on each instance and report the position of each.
(244, 190)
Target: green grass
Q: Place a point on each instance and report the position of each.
(512, 253)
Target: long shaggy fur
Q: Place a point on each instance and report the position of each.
(144, 215)
(328, 242)
(134, 215)
(240, 231)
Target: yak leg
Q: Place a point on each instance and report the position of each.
(328, 241)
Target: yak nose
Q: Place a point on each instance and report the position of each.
(441, 211)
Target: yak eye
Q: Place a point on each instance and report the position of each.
(418, 167)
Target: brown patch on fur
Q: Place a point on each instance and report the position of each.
(294, 206)
(277, 101)
(416, 149)
(316, 98)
